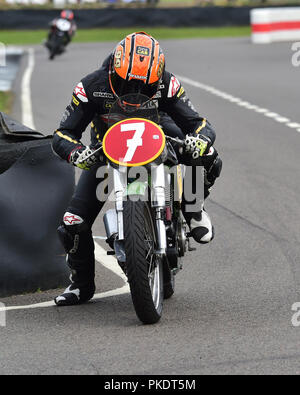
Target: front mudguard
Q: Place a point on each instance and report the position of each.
(137, 188)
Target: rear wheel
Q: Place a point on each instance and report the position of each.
(144, 266)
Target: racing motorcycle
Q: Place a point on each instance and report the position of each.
(146, 229)
(56, 42)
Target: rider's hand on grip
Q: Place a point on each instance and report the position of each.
(85, 157)
(197, 145)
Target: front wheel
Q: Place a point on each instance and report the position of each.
(144, 266)
(56, 43)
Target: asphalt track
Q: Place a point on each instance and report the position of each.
(232, 310)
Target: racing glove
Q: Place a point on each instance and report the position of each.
(197, 145)
(200, 148)
(85, 157)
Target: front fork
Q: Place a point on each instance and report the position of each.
(158, 202)
(120, 185)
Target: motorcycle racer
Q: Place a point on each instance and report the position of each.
(68, 16)
(137, 65)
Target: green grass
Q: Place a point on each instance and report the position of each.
(95, 35)
(5, 102)
(25, 37)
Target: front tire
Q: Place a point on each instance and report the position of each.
(54, 46)
(144, 267)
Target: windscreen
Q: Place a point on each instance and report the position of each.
(133, 106)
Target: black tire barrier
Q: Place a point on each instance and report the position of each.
(131, 17)
(35, 189)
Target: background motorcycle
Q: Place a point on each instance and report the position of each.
(58, 38)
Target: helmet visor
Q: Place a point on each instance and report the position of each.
(123, 87)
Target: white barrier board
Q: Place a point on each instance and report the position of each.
(275, 24)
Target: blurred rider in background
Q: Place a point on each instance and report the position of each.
(64, 23)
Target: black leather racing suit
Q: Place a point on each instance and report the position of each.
(91, 101)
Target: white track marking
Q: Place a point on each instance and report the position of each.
(108, 262)
(26, 103)
(242, 103)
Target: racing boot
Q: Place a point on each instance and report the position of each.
(76, 237)
(199, 222)
(81, 290)
(201, 228)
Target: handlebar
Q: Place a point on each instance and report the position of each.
(99, 147)
(177, 141)
(93, 152)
